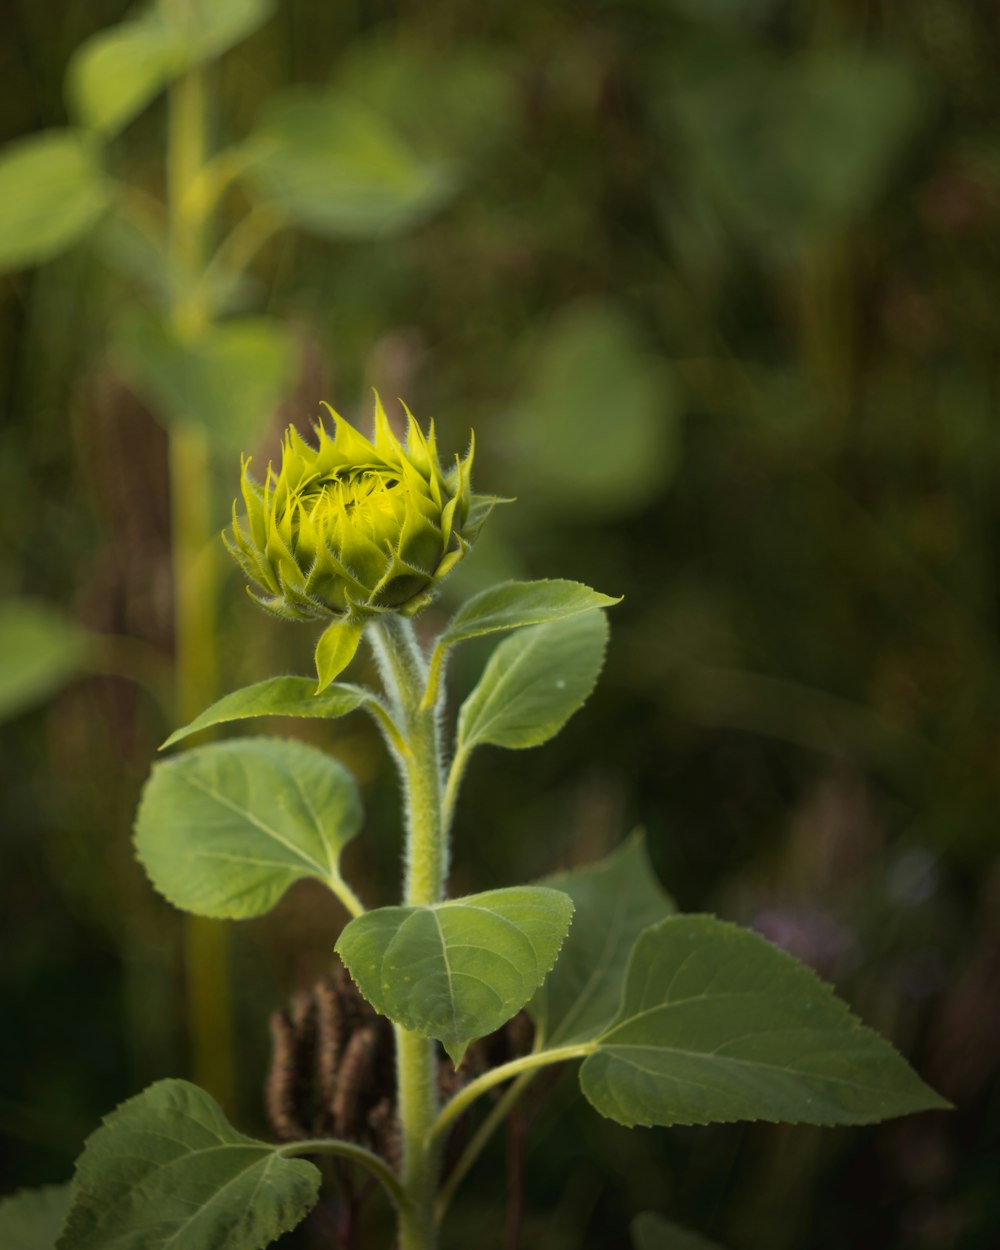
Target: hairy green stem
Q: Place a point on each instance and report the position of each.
(355, 1154)
(404, 671)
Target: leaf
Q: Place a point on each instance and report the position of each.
(116, 72)
(228, 380)
(333, 167)
(335, 650)
(167, 1171)
(615, 900)
(717, 1025)
(652, 1232)
(40, 650)
(458, 970)
(32, 1218)
(277, 696)
(51, 193)
(225, 829)
(788, 150)
(596, 427)
(211, 27)
(512, 605)
(533, 684)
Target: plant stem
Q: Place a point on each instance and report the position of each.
(404, 671)
(356, 1154)
(196, 666)
(496, 1076)
(478, 1142)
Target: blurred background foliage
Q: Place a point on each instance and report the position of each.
(715, 283)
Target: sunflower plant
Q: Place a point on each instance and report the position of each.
(433, 1003)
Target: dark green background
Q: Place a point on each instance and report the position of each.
(718, 292)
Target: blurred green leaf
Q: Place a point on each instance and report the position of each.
(791, 149)
(32, 1218)
(40, 650)
(52, 192)
(458, 970)
(454, 101)
(718, 1025)
(595, 430)
(225, 829)
(653, 1232)
(211, 27)
(615, 899)
(228, 380)
(115, 73)
(533, 683)
(334, 167)
(277, 696)
(167, 1171)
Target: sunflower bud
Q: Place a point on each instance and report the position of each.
(352, 528)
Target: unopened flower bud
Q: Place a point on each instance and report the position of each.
(352, 528)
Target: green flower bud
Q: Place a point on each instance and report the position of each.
(352, 527)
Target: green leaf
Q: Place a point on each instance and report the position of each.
(595, 430)
(167, 1171)
(717, 1025)
(32, 1218)
(652, 1232)
(225, 829)
(211, 27)
(458, 970)
(277, 696)
(788, 149)
(39, 652)
(512, 605)
(333, 167)
(533, 683)
(228, 380)
(615, 900)
(115, 73)
(335, 650)
(51, 193)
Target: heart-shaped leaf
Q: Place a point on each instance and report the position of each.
(225, 829)
(458, 970)
(167, 1171)
(277, 696)
(615, 900)
(717, 1025)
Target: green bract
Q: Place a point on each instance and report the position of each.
(352, 528)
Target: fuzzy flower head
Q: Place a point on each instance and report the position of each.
(352, 528)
